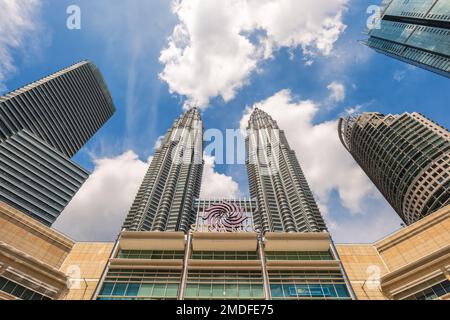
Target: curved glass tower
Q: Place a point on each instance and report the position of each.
(166, 196)
(406, 156)
(285, 201)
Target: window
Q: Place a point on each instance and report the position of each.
(150, 254)
(222, 255)
(305, 255)
(297, 285)
(224, 285)
(140, 284)
(432, 293)
(19, 291)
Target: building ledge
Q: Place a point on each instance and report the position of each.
(31, 225)
(303, 241)
(6, 296)
(222, 241)
(417, 273)
(414, 229)
(28, 271)
(144, 240)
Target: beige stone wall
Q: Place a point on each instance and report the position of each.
(365, 268)
(85, 265)
(25, 234)
(399, 260)
(410, 244)
(5, 296)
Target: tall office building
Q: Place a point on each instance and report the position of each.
(276, 180)
(415, 31)
(406, 156)
(216, 248)
(165, 198)
(42, 125)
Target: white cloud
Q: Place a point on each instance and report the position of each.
(327, 165)
(98, 210)
(158, 142)
(399, 75)
(218, 44)
(216, 185)
(337, 93)
(353, 110)
(18, 21)
(378, 221)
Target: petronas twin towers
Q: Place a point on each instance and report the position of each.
(276, 180)
(173, 181)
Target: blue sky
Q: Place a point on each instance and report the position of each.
(125, 41)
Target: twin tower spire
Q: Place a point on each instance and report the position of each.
(165, 199)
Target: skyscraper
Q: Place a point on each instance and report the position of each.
(216, 248)
(276, 180)
(415, 31)
(165, 199)
(42, 125)
(406, 156)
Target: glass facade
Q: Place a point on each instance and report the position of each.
(222, 275)
(224, 255)
(19, 291)
(297, 285)
(208, 285)
(135, 284)
(151, 254)
(305, 255)
(417, 32)
(42, 126)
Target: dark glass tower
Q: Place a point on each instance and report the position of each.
(406, 156)
(415, 31)
(42, 125)
(165, 199)
(285, 201)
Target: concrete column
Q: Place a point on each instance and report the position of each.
(262, 257)
(344, 273)
(184, 275)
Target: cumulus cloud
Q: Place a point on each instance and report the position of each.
(98, 210)
(353, 110)
(337, 91)
(328, 166)
(217, 44)
(18, 22)
(377, 222)
(216, 185)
